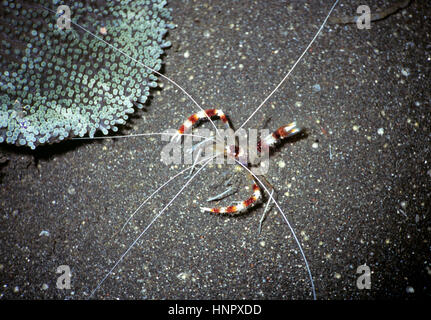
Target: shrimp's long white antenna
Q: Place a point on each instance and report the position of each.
(293, 67)
(142, 135)
(159, 188)
(138, 62)
(288, 224)
(148, 226)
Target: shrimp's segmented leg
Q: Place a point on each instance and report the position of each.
(201, 115)
(279, 134)
(222, 195)
(232, 181)
(240, 207)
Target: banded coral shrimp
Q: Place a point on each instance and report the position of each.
(83, 196)
(186, 272)
(209, 113)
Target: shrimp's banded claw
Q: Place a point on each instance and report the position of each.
(281, 133)
(240, 207)
(202, 115)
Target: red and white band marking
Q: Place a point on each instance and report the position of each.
(240, 207)
(202, 115)
(279, 134)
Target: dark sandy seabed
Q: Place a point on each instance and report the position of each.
(356, 188)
